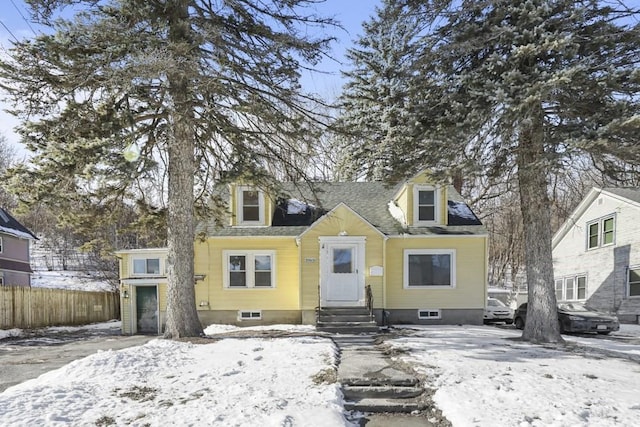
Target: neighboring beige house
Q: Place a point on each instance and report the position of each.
(15, 267)
(596, 253)
(412, 253)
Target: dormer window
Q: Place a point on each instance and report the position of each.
(426, 209)
(250, 206)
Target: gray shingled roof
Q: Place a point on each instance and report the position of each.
(10, 225)
(631, 193)
(368, 199)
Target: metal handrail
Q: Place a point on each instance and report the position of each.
(319, 305)
(369, 299)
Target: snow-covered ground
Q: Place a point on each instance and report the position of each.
(483, 376)
(114, 325)
(71, 280)
(48, 271)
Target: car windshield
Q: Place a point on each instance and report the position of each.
(491, 302)
(572, 306)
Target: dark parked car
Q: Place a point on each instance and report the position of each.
(575, 317)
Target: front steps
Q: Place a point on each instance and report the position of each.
(371, 383)
(346, 320)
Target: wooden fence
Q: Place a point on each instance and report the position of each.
(24, 307)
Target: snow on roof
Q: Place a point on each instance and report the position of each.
(10, 225)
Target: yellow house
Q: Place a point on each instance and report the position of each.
(413, 253)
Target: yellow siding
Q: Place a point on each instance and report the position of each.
(125, 309)
(162, 296)
(337, 221)
(209, 259)
(124, 265)
(471, 274)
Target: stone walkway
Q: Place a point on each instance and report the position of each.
(378, 391)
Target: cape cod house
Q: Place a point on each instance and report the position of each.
(412, 253)
(596, 253)
(15, 238)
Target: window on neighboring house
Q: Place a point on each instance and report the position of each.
(634, 281)
(1, 278)
(601, 232)
(249, 269)
(146, 266)
(426, 205)
(429, 268)
(559, 286)
(572, 288)
(250, 206)
(1, 244)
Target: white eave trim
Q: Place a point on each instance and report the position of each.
(435, 236)
(152, 280)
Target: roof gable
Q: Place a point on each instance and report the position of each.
(339, 207)
(627, 195)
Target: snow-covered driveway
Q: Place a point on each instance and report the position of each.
(28, 354)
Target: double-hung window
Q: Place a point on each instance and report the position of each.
(426, 208)
(571, 288)
(428, 268)
(250, 206)
(146, 266)
(601, 232)
(634, 281)
(249, 269)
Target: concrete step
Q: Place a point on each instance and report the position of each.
(385, 405)
(347, 329)
(348, 323)
(344, 311)
(353, 392)
(345, 318)
(397, 380)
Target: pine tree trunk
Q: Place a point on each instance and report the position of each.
(542, 318)
(182, 315)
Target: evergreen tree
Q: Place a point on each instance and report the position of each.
(377, 109)
(192, 86)
(525, 89)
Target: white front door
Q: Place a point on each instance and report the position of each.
(342, 271)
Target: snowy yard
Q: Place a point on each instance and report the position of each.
(483, 377)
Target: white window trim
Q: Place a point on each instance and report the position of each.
(405, 261)
(250, 265)
(161, 260)
(600, 222)
(428, 312)
(239, 206)
(631, 267)
(436, 204)
(575, 278)
(250, 314)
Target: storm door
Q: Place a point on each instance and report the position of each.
(342, 273)
(147, 310)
